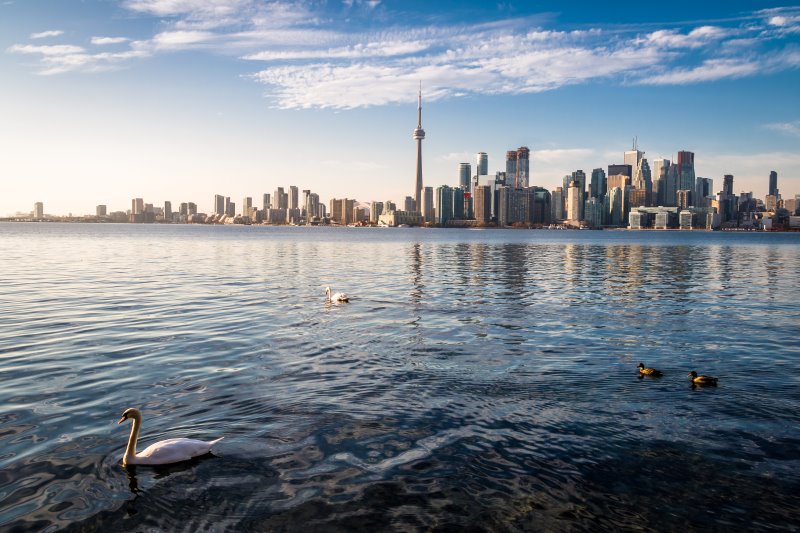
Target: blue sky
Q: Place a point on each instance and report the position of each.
(103, 100)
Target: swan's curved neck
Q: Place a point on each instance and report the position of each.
(130, 451)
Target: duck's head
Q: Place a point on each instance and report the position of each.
(641, 365)
(692, 373)
(327, 290)
(131, 413)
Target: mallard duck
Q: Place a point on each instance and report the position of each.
(702, 380)
(652, 372)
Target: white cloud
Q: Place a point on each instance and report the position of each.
(45, 34)
(789, 128)
(109, 40)
(696, 38)
(725, 68)
(370, 49)
(46, 50)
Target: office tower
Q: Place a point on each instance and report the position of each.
(444, 204)
(375, 210)
(464, 173)
(637, 198)
(427, 204)
(671, 186)
(617, 180)
(593, 212)
(579, 176)
(574, 202)
(482, 164)
(727, 184)
(633, 157)
(419, 135)
(230, 208)
(192, 208)
(219, 204)
(266, 201)
(336, 210)
(660, 169)
(167, 210)
(598, 183)
(294, 197)
(703, 189)
(614, 170)
(686, 177)
(409, 204)
(280, 199)
(511, 167)
(773, 183)
(314, 208)
(100, 210)
(247, 203)
(388, 206)
(557, 204)
(615, 206)
(184, 209)
(684, 198)
(38, 210)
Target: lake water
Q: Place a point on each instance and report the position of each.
(477, 380)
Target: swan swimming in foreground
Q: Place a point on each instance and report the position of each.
(337, 297)
(162, 452)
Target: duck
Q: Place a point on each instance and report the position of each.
(162, 452)
(337, 297)
(652, 372)
(702, 380)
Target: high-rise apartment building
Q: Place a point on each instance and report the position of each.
(375, 210)
(167, 211)
(686, 177)
(428, 205)
(522, 179)
(100, 211)
(38, 210)
(727, 184)
(409, 204)
(294, 197)
(219, 204)
(574, 202)
(464, 175)
(247, 204)
(444, 204)
(483, 204)
(703, 190)
(266, 202)
(557, 204)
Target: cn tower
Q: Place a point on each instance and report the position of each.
(418, 135)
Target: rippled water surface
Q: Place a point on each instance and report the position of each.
(476, 379)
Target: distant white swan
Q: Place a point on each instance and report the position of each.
(337, 297)
(162, 452)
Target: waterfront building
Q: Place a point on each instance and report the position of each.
(396, 218)
(266, 202)
(686, 177)
(247, 204)
(274, 215)
(557, 204)
(483, 204)
(615, 205)
(671, 186)
(459, 205)
(167, 210)
(418, 135)
(619, 181)
(727, 184)
(522, 179)
(464, 174)
(771, 203)
(360, 215)
(593, 212)
(230, 207)
(773, 183)
(637, 198)
(598, 185)
(38, 210)
(375, 210)
(410, 204)
(219, 204)
(653, 217)
(703, 189)
(294, 198)
(100, 211)
(280, 199)
(428, 206)
(389, 205)
(482, 164)
(660, 170)
(574, 203)
(579, 176)
(684, 198)
(444, 204)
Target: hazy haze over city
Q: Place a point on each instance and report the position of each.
(104, 101)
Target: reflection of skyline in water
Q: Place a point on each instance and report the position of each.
(483, 379)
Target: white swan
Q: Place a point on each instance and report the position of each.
(337, 298)
(162, 452)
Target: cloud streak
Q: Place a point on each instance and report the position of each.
(46, 34)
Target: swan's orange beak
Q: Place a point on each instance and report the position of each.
(121, 420)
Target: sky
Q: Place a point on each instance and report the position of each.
(102, 101)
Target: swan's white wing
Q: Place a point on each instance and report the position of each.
(173, 451)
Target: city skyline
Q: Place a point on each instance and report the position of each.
(163, 100)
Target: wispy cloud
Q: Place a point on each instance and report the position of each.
(46, 34)
(311, 60)
(790, 128)
(109, 40)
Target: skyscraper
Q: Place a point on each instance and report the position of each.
(419, 135)
(598, 183)
(574, 202)
(579, 176)
(773, 183)
(38, 210)
(511, 167)
(464, 174)
(686, 177)
(266, 201)
(482, 164)
(727, 184)
(427, 204)
(294, 197)
(483, 204)
(219, 204)
(660, 169)
(523, 168)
